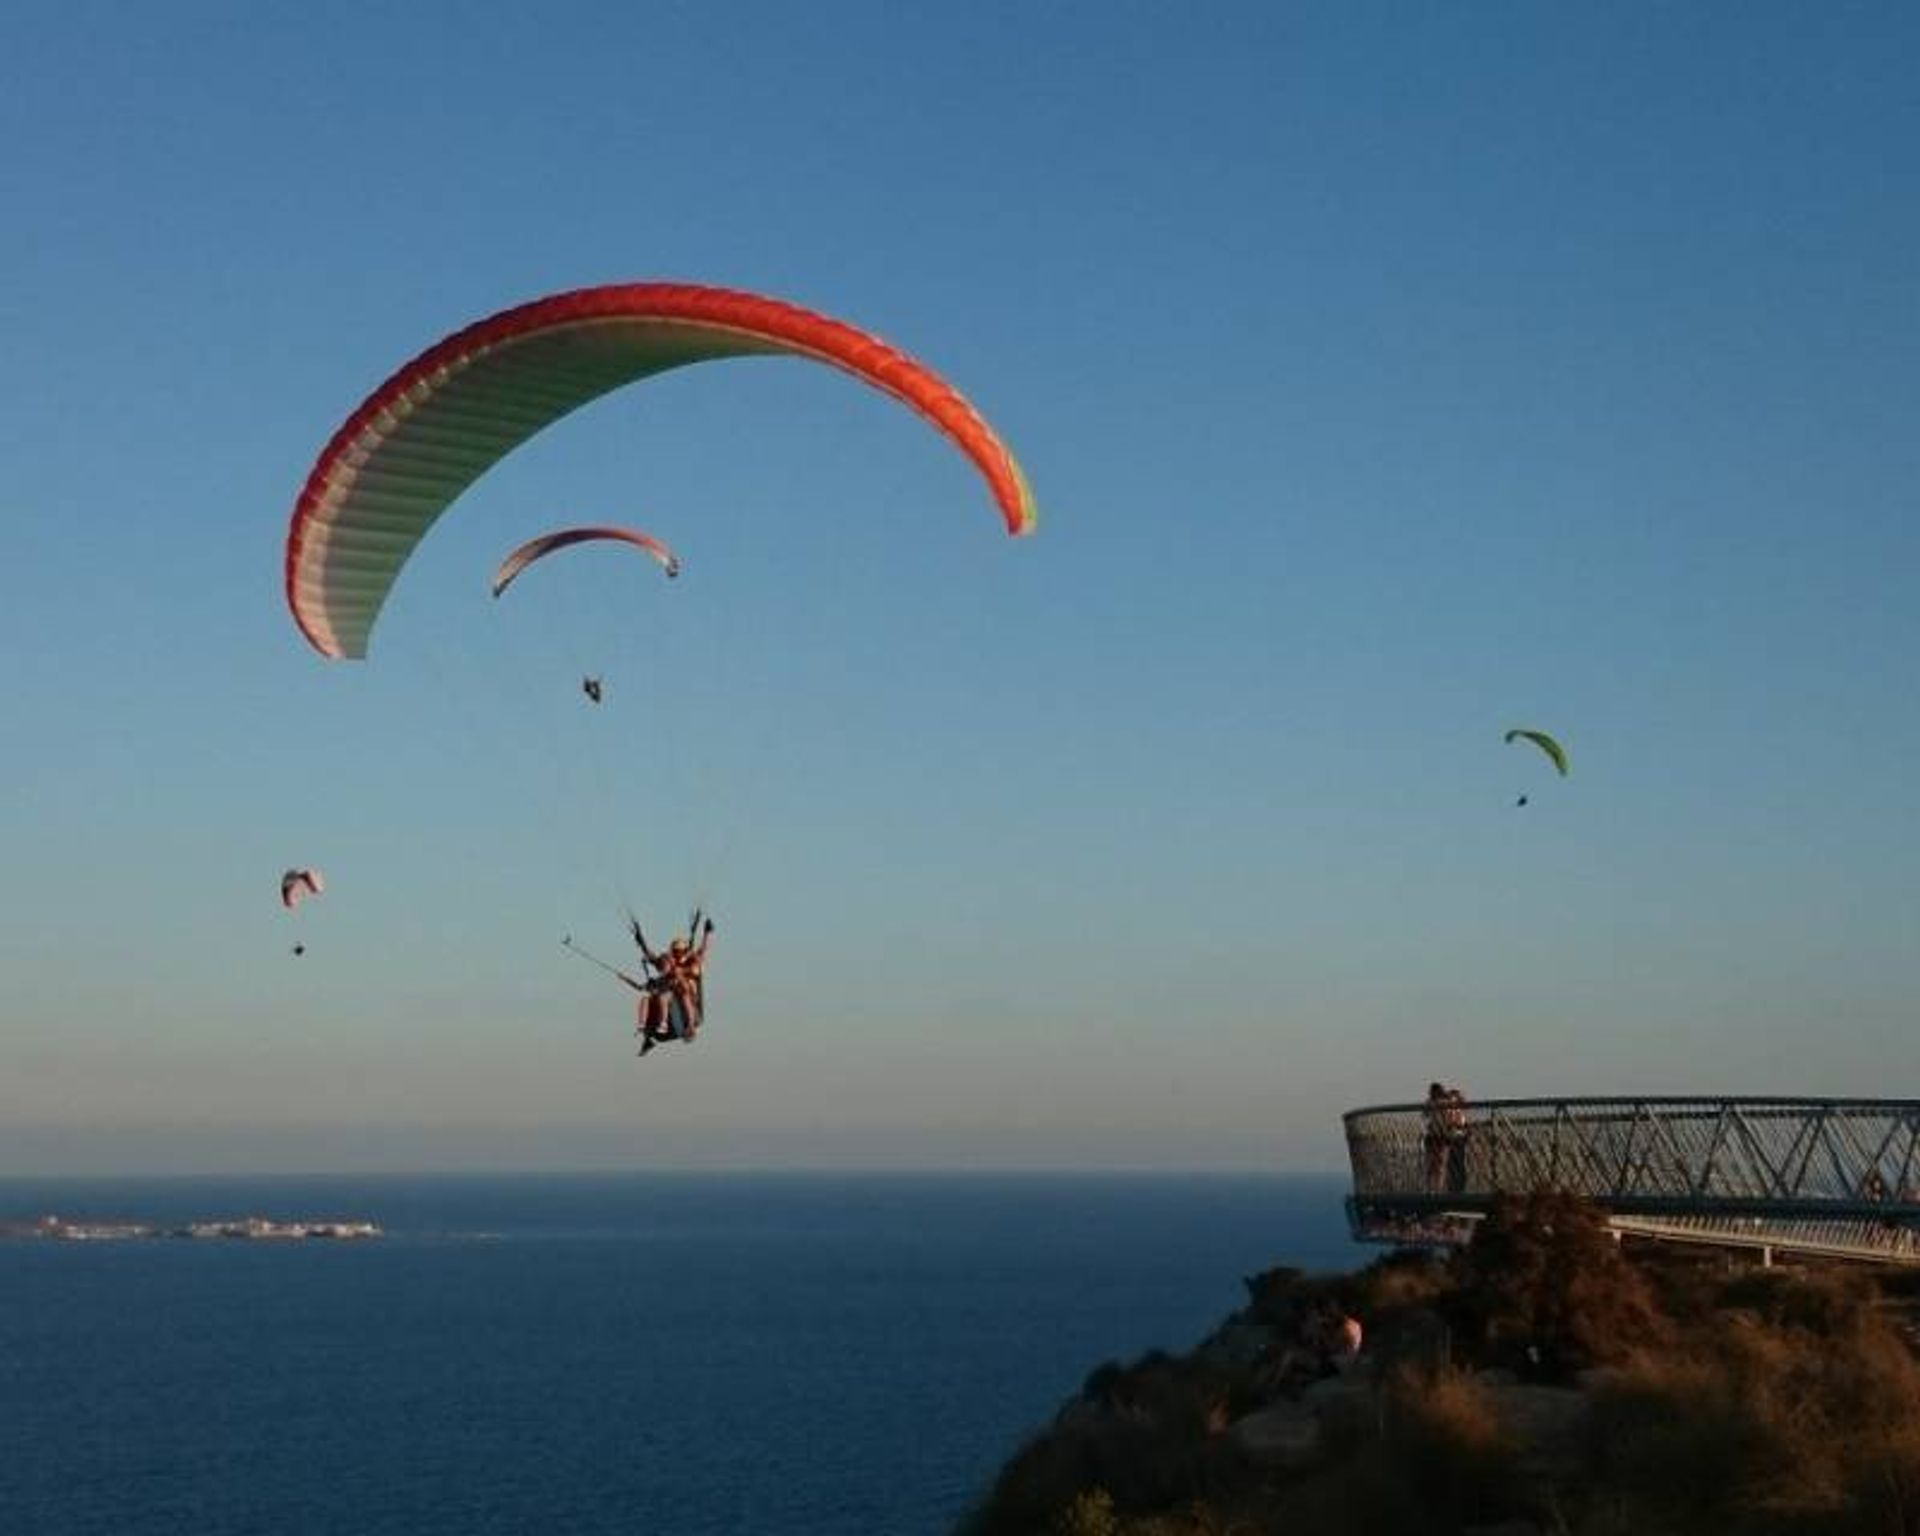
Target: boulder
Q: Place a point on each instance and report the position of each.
(1414, 1337)
(1336, 1392)
(1545, 1422)
(1344, 1405)
(1285, 1435)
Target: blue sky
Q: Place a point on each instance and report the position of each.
(1387, 375)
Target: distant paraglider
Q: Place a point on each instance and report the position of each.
(547, 543)
(1556, 754)
(296, 885)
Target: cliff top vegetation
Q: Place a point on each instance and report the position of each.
(1545, 1381)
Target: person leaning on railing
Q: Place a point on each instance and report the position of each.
(1444, 1139)
(1453, 1117)
(1434, 1140)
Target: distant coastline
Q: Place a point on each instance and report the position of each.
(53, 1228)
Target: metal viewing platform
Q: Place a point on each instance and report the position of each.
(1838, 1178)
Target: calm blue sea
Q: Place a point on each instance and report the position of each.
(807, 1355)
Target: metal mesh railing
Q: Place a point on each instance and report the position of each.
(1833, 1174)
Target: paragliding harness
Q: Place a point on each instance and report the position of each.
(676, 988)
(670, 1009)
(656, 1023)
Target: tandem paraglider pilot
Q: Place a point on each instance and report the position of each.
(673, 994)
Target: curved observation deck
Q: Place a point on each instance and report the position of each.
(1839, 1177)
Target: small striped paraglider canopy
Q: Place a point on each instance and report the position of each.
(539, 548)
(296, 885)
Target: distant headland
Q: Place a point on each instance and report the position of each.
(52, 1228)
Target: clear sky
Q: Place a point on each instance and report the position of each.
(1388, 376)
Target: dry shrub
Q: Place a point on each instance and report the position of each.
(1147, 1440)
(1273, 1294)
(1544, 1289)
(1828, 1303)
(1671, 1439)
(1775, 1403)
(1181, 1397)
(1088, 1513)
(1433, 1458)
(1442, 1430)
(1900, 1284)
(1407, 1277)
(1884, 1482)
(1767, 1426)
(1285, 1298)
(1038, 1489)
(1200, 1519)
(1686, 1283)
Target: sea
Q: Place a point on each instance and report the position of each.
(636, 1355)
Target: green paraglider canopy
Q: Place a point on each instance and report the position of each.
(1553, 749)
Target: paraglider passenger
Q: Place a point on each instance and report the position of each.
(672, 1008)
(1454, 1120)
(684, 971)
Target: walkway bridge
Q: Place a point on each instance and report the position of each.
(1832, 1177)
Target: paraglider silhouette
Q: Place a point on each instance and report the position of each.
(1556, 754)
